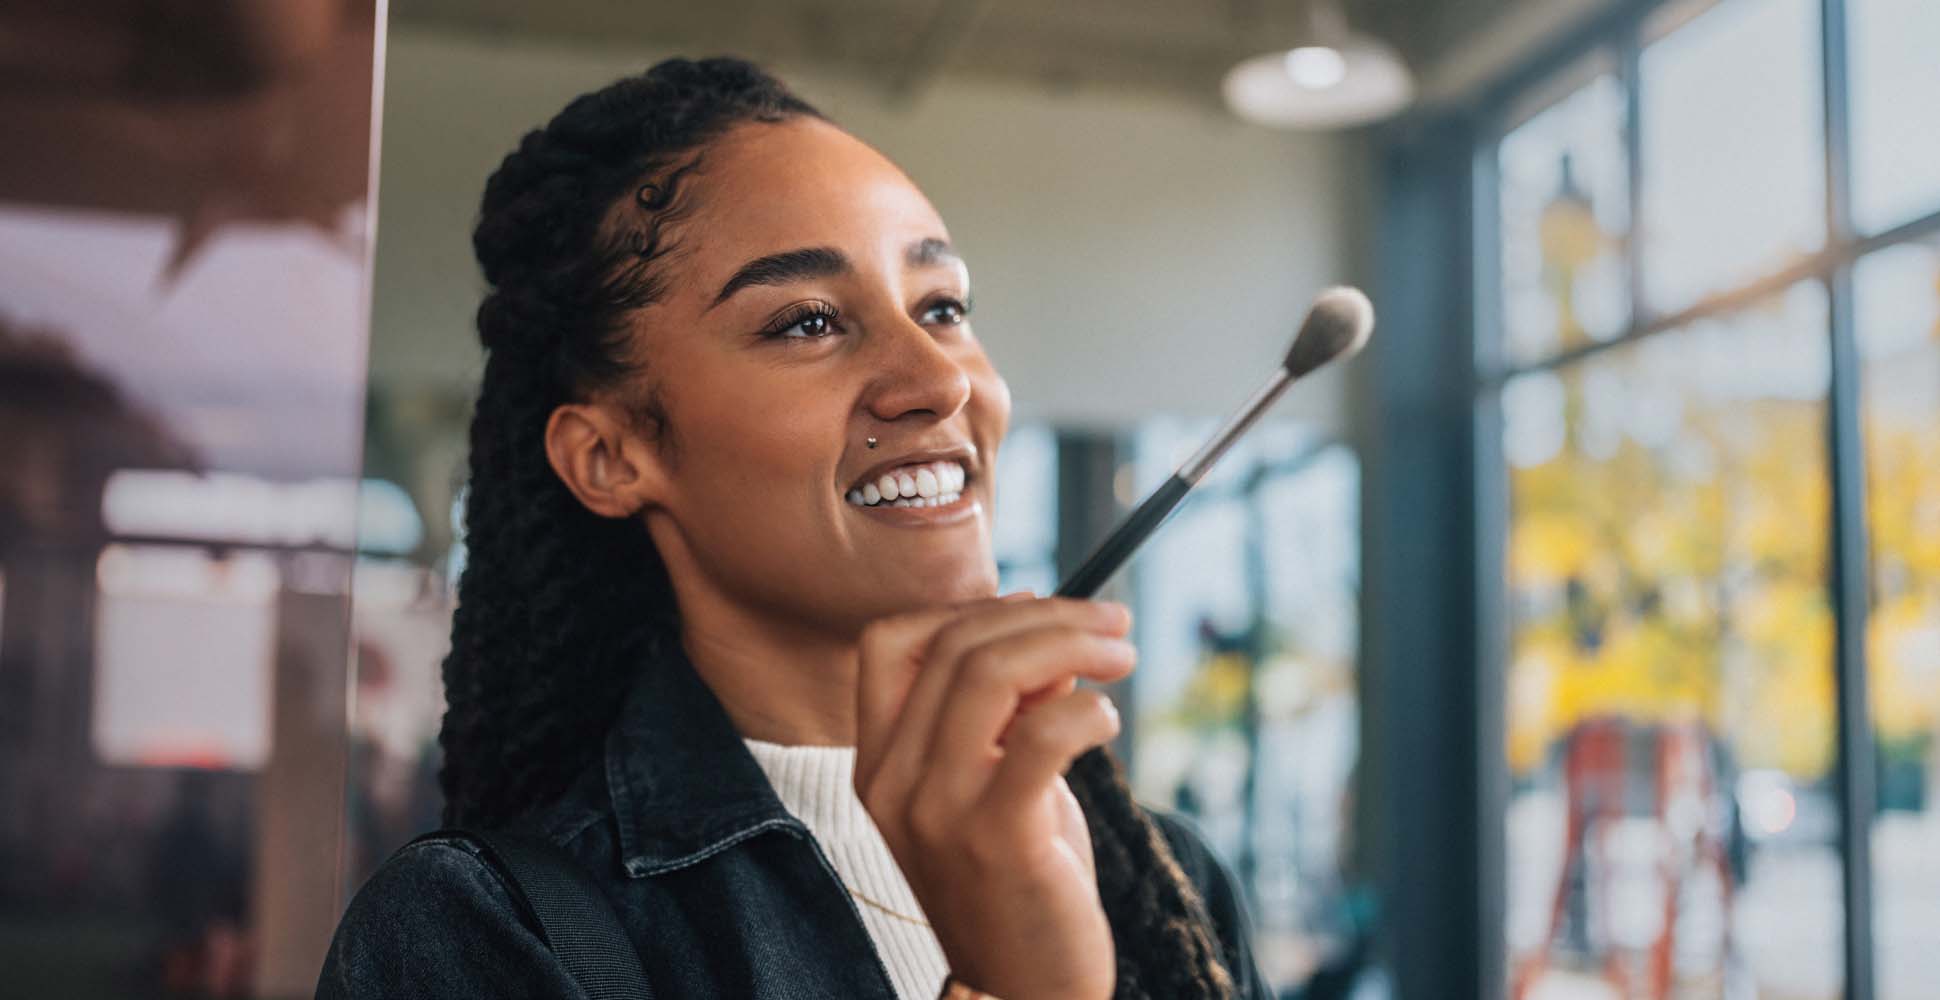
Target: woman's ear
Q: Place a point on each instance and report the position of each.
(603, 459)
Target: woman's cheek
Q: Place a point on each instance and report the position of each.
(993, 397)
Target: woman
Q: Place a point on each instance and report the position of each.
(726, 632)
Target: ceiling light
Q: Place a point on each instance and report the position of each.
(1316, 67)
(1334, 78)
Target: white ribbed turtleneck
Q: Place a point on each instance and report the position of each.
(817, 784)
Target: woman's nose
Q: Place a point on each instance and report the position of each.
(917, 374)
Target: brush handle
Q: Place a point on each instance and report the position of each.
(1125, 539)
(1202, 460)
(1130, 533)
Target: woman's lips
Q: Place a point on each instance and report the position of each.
(963, 507)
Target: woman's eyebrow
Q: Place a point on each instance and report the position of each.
(784, 267)
(929, 251)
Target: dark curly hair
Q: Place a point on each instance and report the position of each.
(549, 626)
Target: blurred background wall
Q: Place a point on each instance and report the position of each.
(1116, 229)
(1580, 640)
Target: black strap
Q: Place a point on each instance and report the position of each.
(574, 916)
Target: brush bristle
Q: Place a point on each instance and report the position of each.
(1337, 326)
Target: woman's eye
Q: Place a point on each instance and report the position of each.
(808, 324)
(816, 325)
(948, 312)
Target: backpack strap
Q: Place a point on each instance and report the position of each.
(575, 917)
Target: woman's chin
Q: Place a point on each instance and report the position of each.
(936, 590)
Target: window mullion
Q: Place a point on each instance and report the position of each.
(1629, 57)
(1849, 573)
(1489, 471)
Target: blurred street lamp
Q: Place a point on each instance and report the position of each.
(1334, 78)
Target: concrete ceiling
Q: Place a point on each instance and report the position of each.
(1179, 48)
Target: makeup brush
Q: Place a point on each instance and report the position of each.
(1336, 327)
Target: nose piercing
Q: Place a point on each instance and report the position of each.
(872, 442)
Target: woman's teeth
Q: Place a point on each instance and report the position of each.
(932, 484)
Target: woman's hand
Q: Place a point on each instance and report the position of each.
(967, 718)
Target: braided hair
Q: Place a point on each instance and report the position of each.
(550, 626)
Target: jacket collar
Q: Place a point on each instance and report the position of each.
(682, 784)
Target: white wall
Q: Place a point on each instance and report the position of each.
(1129, 255)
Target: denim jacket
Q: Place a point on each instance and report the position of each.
(723, 892)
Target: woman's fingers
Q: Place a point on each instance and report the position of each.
(901, 761)
(891, 652)
(1058, 689)
(954, 641)
(972, 630)
(1042, 743)
(968, 722)
(989, 689)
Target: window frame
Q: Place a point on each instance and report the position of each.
(1622, 34)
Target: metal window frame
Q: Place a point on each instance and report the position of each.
(1428, 714)
(1850, 571)
(1621, 31)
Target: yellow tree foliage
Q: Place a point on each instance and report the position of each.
(1648, 590)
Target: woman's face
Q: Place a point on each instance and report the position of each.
(813, 301)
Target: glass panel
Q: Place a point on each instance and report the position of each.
(1024, 525)
(410, 532)
(1733, 169)
(182, 341)
(1245, 708)
(1309, 716)
(1895, 144)
(1670, 737)
(400, 631)
(1897, 313)
(1565, 214)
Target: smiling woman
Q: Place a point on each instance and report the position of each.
(729, 637)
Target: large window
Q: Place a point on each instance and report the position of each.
(1716, 355)
(1024, 526)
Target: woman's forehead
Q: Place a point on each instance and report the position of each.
(766, 187)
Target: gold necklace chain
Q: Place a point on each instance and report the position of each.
(898, 914)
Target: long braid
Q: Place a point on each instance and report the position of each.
(558, 606)
(1175, 953)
